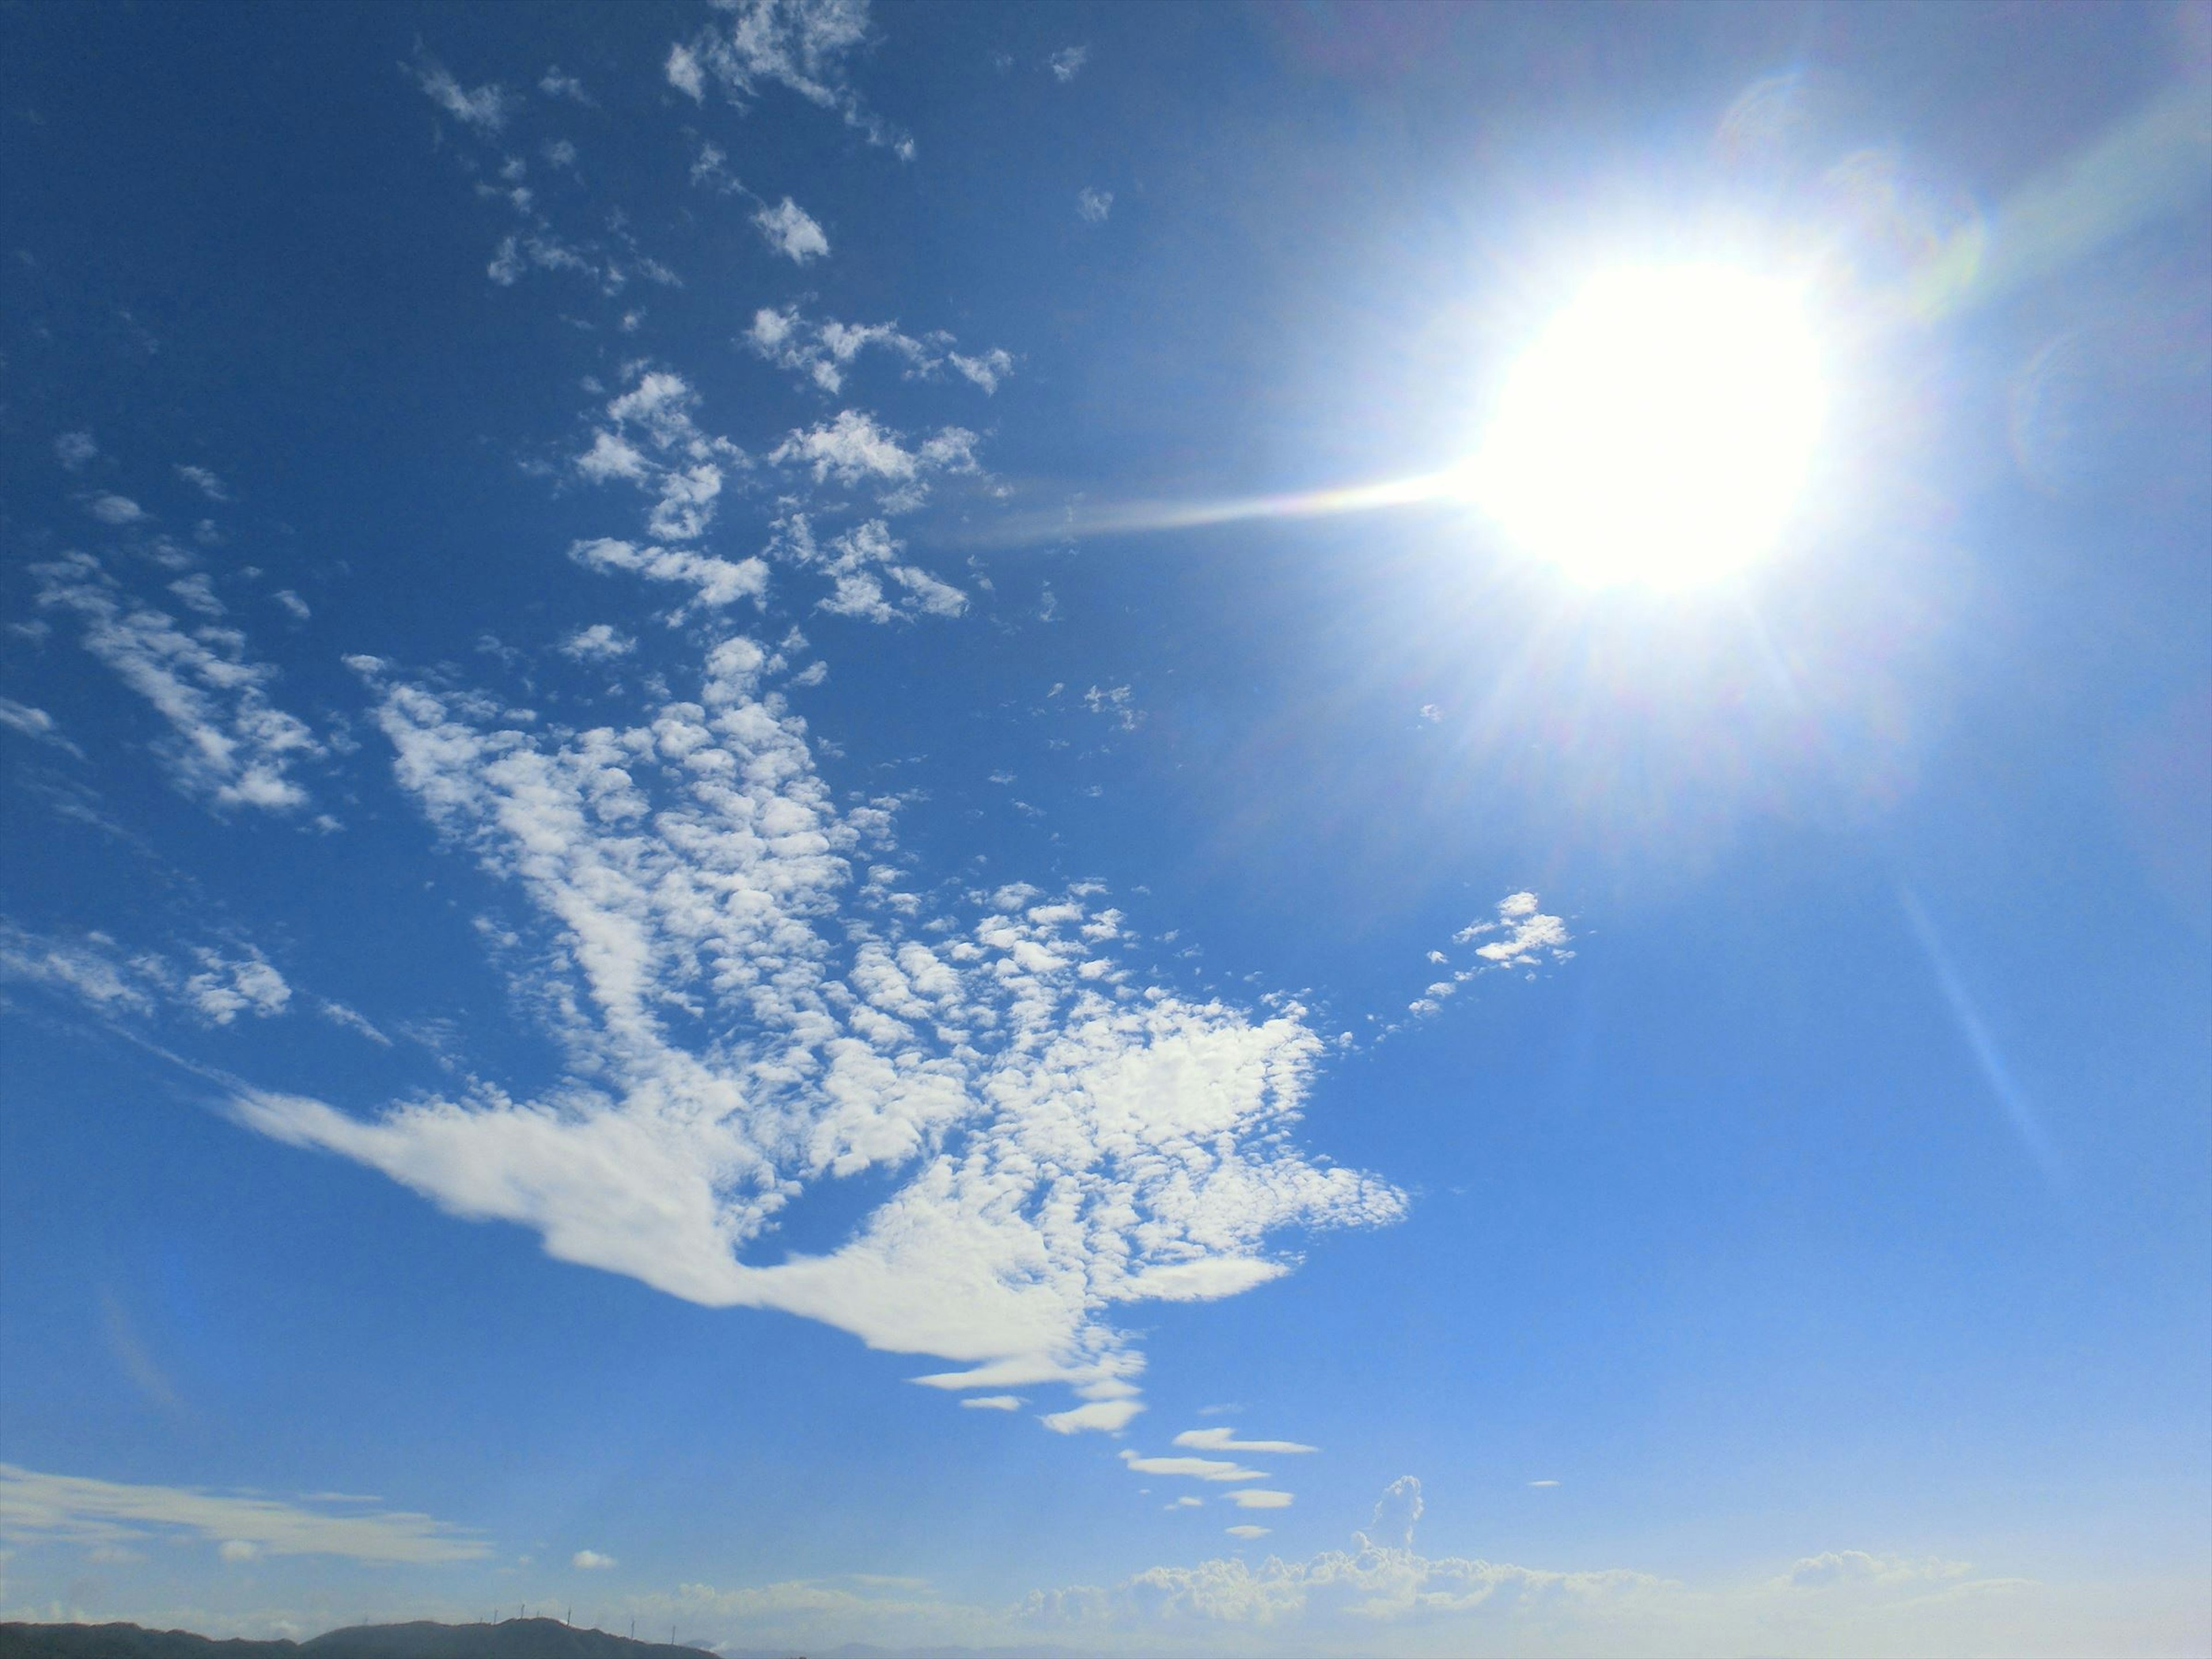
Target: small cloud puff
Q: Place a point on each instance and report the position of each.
(1068, 62)
(1254, 1498)
(993, 1402)
(596, 643)
(73, 449)
(484, 108)
(591, 1560)
(1248, 1530)
(791, 232)
(115, 509)
(1092, 206)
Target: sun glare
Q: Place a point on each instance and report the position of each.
(1659, 430)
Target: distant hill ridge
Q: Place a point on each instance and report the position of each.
(510, 1638)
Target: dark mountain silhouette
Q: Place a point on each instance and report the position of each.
(510, 1638)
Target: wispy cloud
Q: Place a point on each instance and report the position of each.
(791, 232)
(1068, 62)
(805, 46)
(824, 352)
(74, 450)
(73, 1509)
(1092, 206)
(230, 744)
(1225, 1440)
(485, 107)
(1191, 1468)
(206, 481)
(215, 986)
(35, 724)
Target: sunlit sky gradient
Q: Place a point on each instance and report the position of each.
(809, 840)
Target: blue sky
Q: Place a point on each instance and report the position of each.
(738, 895)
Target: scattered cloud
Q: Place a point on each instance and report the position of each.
(35, 724)
(1118, 702)
(684, 73)
(72, 1509)
(1248, 1530)
(1065, 1138)
(114, 509)
(1068, 62)
(74, 450)
(1191, 1468)
(1255, 1498)
(229, 744)
(206, 481)
(1093, 205)
(858, 564)
(591, 1560)
(1543, 1483)
(824, 352)
(338, 1014)
(801, 44)
(599, 642)
(791, 232)
(555, 84)
(1225, 1440)
(485, 107)
(651, 437)
(992, 1402)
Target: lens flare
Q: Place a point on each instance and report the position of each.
(1659, 430)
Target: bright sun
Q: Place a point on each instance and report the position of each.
(1660, 427)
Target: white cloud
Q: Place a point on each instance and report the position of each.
(1184, 1503)
(114, 509)
(684, 73)
(591, 1560)
(485, 107)
(293, 603)
(743, 1017)
(197, 592)
(992, 1402)
(90, 968)
(1225, 1440)
(597, 643)
(1833, 1569)
(715, 582)
(206, 481)
(338, 1014)
(1099, 1417)
(1248, 1530)
(74, 450)
(1527, 938)
(72, 1509)
(655, 441)
(226, 986)
(988, 370)
(1543, 1483)
(1117, 702)
(858, 564)
(1255, 1498)
(35, 724)
(824, 352)
(212, 986)
(1191, 1468)
(1093, 205)
(1068, 62)
(791, 232)
(555, 84)
(230, 744)
(802, 45)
